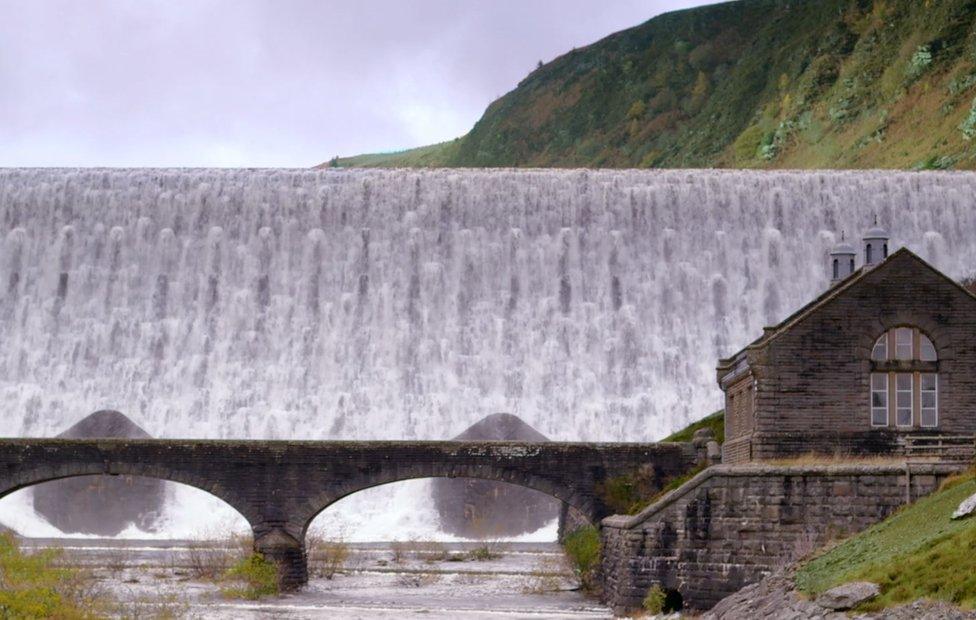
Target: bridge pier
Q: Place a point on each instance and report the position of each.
(288, 553)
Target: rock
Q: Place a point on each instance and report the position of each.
(966, 508)
(773, 597)
(702, 436)
(101, 505)
(848, 596)
(920, 610)
(485, 509)
(713, 453)
(776, 597)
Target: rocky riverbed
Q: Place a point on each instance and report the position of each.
(381, 580)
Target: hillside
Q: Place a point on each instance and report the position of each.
(755, 83)
(917, 553)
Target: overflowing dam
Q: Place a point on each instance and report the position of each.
(299, 304)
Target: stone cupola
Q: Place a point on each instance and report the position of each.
(842, 258)
(875, 244)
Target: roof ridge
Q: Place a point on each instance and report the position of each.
(773, 331)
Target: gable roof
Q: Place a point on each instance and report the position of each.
(771, 333)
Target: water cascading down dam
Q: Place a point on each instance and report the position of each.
(285, 304)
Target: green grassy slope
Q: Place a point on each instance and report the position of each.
(715, 421)
(917, 553)
(754, 83)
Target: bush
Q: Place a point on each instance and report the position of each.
(332, 555)
(256, 576)
(34, 586)
(328, 554)
(583, 549)
(654, 601)
(636, 110)
(483, 553)
(211, 559)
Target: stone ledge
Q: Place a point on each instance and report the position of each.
(763, 470)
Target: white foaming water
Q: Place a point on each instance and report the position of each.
(409, 304)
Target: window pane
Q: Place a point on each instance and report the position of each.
(903, 343)
(880, 351)
(927, 352)
(928, 400)
(904, 382)
(879, 399)
(904, 399)
(930, 417)
(879, 417)
(928, 382)
(904, 417)
(879, 381)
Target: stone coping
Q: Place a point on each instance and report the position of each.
(763, 470)
(344, 443)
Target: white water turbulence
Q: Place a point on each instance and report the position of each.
(409, 304)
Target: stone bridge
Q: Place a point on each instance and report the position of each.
(280, 486)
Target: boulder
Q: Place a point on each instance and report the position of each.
(101, 505)
(848, 596)
(484, 509)
(966, 508)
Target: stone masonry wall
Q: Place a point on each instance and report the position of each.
(731, 526)
(814, 378)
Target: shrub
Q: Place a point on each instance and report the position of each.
(483, 553)
(583, 549)
(399, 550)
(664, 101)
(636, 110)
(654, 601)
(256, 577)
(331, 555)
(34, 586)
(210, 559)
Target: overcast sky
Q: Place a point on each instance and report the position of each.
(273, 82)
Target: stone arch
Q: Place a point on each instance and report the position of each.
(925, 325)
(320, 502)
(40, 473)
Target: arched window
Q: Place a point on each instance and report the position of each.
(836, 269)
(904, 380)
(868, 254)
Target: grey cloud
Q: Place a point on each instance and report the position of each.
(284, 83)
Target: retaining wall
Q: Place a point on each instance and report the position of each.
(732, 525)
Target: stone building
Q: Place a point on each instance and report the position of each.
(883, 362)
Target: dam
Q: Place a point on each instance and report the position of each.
(406, 305)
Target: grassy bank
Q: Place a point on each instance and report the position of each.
(715, 421)
(917, 553)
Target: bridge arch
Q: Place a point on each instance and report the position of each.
(320, 501)
(40, 473)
